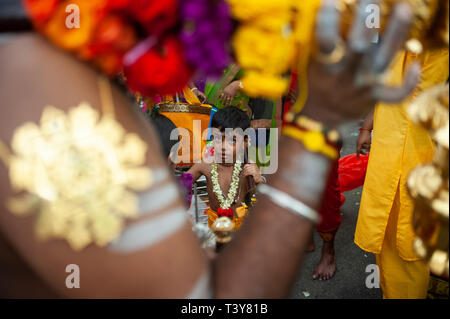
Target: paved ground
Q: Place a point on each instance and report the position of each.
(350, 278)
(349, 281)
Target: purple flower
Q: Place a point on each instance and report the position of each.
(207, 29)
(186, 180)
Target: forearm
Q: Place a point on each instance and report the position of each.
(263, 259)
(368, 121)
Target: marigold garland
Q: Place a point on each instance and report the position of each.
(264, 45)
(110, 29)
(206, 33)
(225, 204)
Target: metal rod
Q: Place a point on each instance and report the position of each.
(196, 203)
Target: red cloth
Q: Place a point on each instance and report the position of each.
(331, 204)
(352, 171)
(292, 87)
(346, 174)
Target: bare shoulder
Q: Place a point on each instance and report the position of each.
(206, 169)
(200, 168)
(35, 75)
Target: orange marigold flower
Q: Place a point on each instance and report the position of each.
(113, 33)
(110, 63)
(72, 39)
(40, 11)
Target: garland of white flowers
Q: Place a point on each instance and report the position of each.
(226, 203)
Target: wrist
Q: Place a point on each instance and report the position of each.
(237, 85)
(314, 135)
(259, 180)
(299, 165)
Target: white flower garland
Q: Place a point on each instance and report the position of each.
(226, 203)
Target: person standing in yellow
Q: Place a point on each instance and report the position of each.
(384, 224)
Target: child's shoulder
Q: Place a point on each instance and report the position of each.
(202, 167)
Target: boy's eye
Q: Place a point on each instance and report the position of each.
(231, 139)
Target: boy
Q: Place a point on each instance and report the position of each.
(226, 176)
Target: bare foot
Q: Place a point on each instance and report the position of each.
(326, 268)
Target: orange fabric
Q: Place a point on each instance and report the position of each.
(329, 236)
(186, 121)
(238, 220)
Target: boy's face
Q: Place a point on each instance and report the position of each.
(229, 146)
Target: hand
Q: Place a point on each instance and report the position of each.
(344, 81)
(363, 143)
(229, 93)
(253, 170)
(200, 95)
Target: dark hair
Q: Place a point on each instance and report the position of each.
(230, 117)
(13, 17)
(164, 126)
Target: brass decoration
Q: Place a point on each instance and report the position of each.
(79, 171)
(429, 184)
(183, 108)
(223, 228)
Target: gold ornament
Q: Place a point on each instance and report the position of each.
(223, 228)
(430, 110)
(79, 171)
(428, 185)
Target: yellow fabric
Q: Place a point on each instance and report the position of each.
(190, 97)
(400, 279)
(313, 140)
(303, 33)
(238, 220)
(398, 146)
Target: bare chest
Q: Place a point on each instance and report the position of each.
(225, 179)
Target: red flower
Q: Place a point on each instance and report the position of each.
(109, 33)
(112, 39)
(155, 15)
(157, 69)
(118, 4)
(221, 212)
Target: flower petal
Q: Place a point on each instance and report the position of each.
(83, 120)
(24, 137)
(133, 150)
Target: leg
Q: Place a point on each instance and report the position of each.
(312, 245)
(331, 220)
(326, 268)
(400, 279)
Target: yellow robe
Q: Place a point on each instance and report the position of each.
(398, 146)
